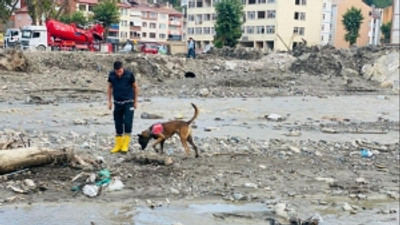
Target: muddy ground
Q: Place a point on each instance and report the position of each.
(308, 162)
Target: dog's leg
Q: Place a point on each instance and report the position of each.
(190, 140)
(159, 139)
(162, 146)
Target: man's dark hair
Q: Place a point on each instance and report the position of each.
(117, 65)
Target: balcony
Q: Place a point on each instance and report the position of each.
(175, 23)
(115, 26)
(135, 28)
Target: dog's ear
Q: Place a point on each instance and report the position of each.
(139, 135)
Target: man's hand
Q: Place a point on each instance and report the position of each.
(109, 105)
(135, 104)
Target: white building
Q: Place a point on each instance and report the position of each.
(395, 34)
(326, 22)
(375, 26)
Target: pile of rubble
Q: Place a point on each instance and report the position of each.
(12, 60)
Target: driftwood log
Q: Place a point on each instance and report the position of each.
(15, 159)
(20, 158)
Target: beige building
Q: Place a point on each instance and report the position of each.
(339, 8)
(273, 24)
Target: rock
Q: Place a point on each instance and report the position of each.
(294, 149)
(204, 92)
(281, 210)
(238, 196)
(80, 122)
(230, 66)
(275, 117)
(385, 69)
(150, 116)
(361, 180)
(328, 180)
(250, 185)
(347, 72)
(29, 183)
(174, 191)
(347, 207)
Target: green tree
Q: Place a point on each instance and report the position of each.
(352, 21)
(386, 29)
(77, 17)
(7, 7)
(39, 9)
(106, 12)
(229, 22)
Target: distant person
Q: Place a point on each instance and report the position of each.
(191, 48)
(123, 87)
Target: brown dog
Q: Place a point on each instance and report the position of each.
(166, 130)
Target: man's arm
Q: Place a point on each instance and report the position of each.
(109, 92)
(136, 91)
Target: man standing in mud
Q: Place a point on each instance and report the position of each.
(191, 48)
(124, 90)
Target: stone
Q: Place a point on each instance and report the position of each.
(347, 207)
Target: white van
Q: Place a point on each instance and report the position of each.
(12, 38)
(34, 37)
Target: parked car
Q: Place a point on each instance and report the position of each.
(149, 48)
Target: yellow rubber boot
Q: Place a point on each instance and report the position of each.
(118, 144)
(125, 144)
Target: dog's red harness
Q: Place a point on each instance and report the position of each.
(157, 128)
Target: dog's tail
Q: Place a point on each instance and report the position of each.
(196, 113)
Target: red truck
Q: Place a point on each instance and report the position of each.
(61, 36)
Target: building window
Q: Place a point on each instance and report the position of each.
(262, 1)
(214, 17)
(252, 2)
(124, 23)
(162, 36)
(144, 24)
(82, 7)
(261, 14)
(123, 34)
(299, 16)
(152, 35)
(270, 29)
(199, 4)
(324, 5)
(162, 26)
(144, 14)
(251, 15)
(212, 30)
(207, 17)
(192, 4)
(271, 14)
(271, 1)
(260, 29)
(199, 19)
(207, 30)
(190, 30)
(299, 31)
(91, 8)
(153, 15)
(153, 25)
(191, 17)
(250, 30)
(198, 30)
(300, 2)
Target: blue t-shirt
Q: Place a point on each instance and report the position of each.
(122, 87)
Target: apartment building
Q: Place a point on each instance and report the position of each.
(160, 24)
(395, 34)
(326, 22)
(86, 6)
(273, 24)
(135, 23)
(339, 8)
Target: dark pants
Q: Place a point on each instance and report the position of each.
(123, 118)
(192, 53)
